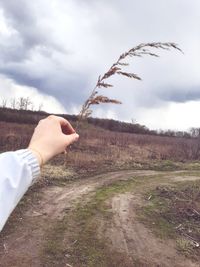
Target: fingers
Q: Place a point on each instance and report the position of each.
(70, 139)
(69, 134)
(67, 128)
(65, 125)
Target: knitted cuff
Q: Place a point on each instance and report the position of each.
(31, 160)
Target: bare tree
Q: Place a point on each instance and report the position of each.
(27, 103)
(23, 103)
(32, 106)
(40, 107)
(4, 103)
(195, 132)
(13, 103)
(20, 103)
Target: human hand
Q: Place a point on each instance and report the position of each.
(51, 137)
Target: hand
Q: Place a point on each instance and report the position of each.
(51, 137)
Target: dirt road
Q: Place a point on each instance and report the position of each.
(22, 240)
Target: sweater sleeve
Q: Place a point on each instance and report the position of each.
(18, 170)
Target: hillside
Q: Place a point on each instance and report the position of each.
(32, 117)
(114, 195)
(103, 145)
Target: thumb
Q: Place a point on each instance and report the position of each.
(71, 138)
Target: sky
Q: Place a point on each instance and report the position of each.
(54, 50)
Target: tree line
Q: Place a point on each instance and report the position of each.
(21, 103)
(22, 110)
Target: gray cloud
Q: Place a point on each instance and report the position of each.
(180, 95)
(23, 17)
(31, 40)
(61, 47)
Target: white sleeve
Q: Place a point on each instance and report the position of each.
(18, 170)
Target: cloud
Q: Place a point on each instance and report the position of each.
(177, 116)
(38, 100)
(25, 19)
(60, 47)
(180, 95)
(32, 56)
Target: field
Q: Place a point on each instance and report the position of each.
(116, 199)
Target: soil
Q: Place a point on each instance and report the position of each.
(21, 243)
(132, 238)
(184, 178)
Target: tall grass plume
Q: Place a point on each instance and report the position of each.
(117, 68)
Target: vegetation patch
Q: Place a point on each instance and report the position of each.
(74, 240)
(57, 175)
(193, 166)
(174, 212)
(167, 165)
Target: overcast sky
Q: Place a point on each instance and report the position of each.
(54, 50)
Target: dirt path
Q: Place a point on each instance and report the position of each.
(132, 238)
(57, 199)
(21, 246)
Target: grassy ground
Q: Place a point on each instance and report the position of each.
(165, 211)
(167, 207)
(86, 248)
(176, 209)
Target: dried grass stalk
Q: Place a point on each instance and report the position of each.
(138, 51)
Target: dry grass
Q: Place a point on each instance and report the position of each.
(177, 212)
(117, 68)
(14, 136)
(101, 150)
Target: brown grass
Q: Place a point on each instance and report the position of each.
(117, 68)
(101, 150)
(177, 209)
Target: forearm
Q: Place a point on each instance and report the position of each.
(18, 170)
